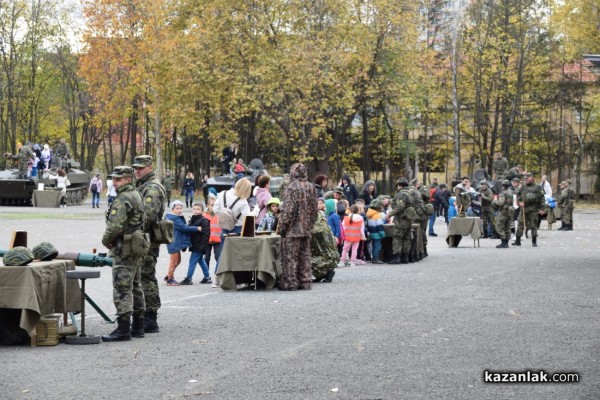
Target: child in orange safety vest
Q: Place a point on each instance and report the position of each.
(214, 241)
(354, 228)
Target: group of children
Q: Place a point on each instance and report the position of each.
(202, 236)
(353, 226)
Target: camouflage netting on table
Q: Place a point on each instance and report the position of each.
(324, 255)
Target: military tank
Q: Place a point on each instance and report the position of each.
(255, 168)
(15, 191)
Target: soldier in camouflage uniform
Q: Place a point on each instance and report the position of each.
(404, 213)
(61, 153)
(487, 210)
(423, 208)
(296, 220)
(154, 197)
(168, 182)
(503, 205)
(125, 239)
(500, 166)
(531, 200)
(24, 157)
(566, 203)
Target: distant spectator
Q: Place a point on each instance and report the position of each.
(350, 191)
(369, 192)
(189, 188)
(321, 181)
(96, 189)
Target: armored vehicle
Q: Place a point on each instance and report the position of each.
(15, 191)
(255, 168)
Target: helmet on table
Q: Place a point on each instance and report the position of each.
(18, 256)
(45, 251)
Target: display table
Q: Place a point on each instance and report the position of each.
(242, 258)
(47, 198)
(463, 226)
(38, 289)
(416, 240)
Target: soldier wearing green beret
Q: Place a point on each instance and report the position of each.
(154, 197)
(124, 237)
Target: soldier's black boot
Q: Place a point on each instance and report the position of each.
(569, 227)
(563, 226)
(404, 259)
(517, 241)
(122, 333)
(425, 251)
(503, 245)
(534, 241)
(395, 259)
(329, 276)
(150, 324)
(137, 326)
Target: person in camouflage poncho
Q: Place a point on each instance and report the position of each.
(297, 218)
(324, 255)
(531, 200)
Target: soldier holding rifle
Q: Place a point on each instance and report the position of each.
(531, 200)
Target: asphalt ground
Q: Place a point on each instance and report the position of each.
(426, 330)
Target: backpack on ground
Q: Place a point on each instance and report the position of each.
(226, 219)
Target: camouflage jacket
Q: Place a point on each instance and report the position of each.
(532, 195)
(154, 197)
(566, 197)
(419, 204)
(25, 154)
(504, 203)
(124, 216)
(486, 198)
(62, 150)
(500, 167)
(298, 209)
(402, 201)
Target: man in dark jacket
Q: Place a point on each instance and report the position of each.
(441, 199)
(199, 241)
(349, 189)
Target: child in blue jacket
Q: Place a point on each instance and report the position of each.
(181, 240)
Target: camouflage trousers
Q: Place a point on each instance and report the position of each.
(424, 230)
(531, 220)
(401, 237)
(128, 295)
(567, 215)
(23, 169)
(487, 215)
(295, 262)
(324, 255)
(503, 225)
(149, 282)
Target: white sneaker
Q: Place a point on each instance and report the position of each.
(216, 283)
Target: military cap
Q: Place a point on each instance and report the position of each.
(375, 204)
(484, 183)
(563, 183)
(527, 175)
(506, 182)
(516, 180)
(401, 180)
(142, 161)
(122, 171)
(45, 251)
(338, 190)
(18, 256)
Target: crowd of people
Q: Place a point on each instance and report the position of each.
(321, 228)
(32, 158)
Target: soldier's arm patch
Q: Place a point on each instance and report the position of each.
(148, 199)
(113, 212)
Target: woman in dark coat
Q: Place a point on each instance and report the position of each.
(189, 188)
(369, 192)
